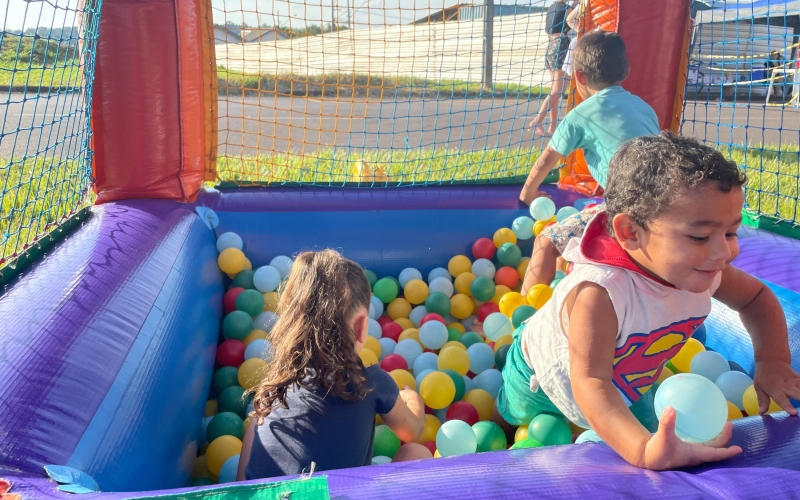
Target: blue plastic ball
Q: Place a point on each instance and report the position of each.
(560, 275)
(266, 279)
(700, 334)
(433, 335)
(441, 414)
(497, 325)
(283, 264)
(380, 460)
(417, 314)
(481, 357)
(733, 384)
(409, 349)
(468, 321)
(227, 473)
(699, 405)
(407, 275)
(523, 227)
(204, 427)
(581, 204)
(374, 329)
(456, 437)
(229, 240)
(422, 374)
(265, 321)
(709, 364)
(469, 384)
(441, 285)
(588, 436)
(490, 381)
(543, 209)
(426, 361)
(565, 213)
(736, 367)
(439, 272)
(259, 348)
(387, 347)
(377, 305)
(483, 267)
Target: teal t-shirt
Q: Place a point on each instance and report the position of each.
(601, 124)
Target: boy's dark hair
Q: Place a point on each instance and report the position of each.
(601, 57)
(647, 174)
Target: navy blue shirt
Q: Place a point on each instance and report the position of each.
(327, 430)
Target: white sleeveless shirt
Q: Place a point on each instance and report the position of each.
(654, 321)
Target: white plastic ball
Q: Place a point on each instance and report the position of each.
(483, 267)
(425, 361)
(733, 384)
(565, 213)
(283, 264)
(497, 325)
(409, 349)
(481, 357)
(265, 321)
(433, 335)
(266, 279)
(456, 437)
(543, 208)
(441, 285)
(523, 227)
(490, 381)
(588, 436)
(417, 314)
(387, 346)
(377, 305)
(229, 240)
(259, 348)
(407, 275)
(439, 272)
(380, 460)
(709, 364)
(374, 329)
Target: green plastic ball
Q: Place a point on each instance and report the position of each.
(520, 314)
(490, 436)
(482, 288)
(526, 443)
(225, 424)
(224, 378)
(509, 254)
(550, 429)
(385, 289)
(202, 481)
(438, 303)
(237, 324)
(244, 280)
(470, 338)
(555, 282)
(500, 356)
(232, 400)
(386, 443)
(251, 302)
(371, 277)
(453, 334)
(458, 380)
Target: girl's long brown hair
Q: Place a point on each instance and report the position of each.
(313, 342)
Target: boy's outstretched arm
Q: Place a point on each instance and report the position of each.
(592, 334)
(762, 316)
(546, 162)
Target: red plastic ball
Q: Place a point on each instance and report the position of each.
(590, 205)
(487, 309)
(570, 267)
(230, 353)
(461, 410)
(394, 362)
(383, 320)
(431, 445)
(432, 317)
(483, 248)
(229, 299)
(428, 410)
(507, 276)
(391, 330)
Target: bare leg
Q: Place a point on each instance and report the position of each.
(556, 91)
(542, 267)
(548, 102)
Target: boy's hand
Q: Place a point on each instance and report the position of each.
(530, 193)
(776, 380)
(477, 327)
(666, 451)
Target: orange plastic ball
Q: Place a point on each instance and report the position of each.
(507, 276)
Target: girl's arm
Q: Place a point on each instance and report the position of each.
(407, 417)
(763, 317)
(247, 446)
(592, 339)
(573, 18)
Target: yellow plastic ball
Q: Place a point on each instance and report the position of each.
(482, 401)
(665, 374)
(576, 429)
(220, 450)
(459, 264)
(415, 291)
(538, 296)
(432, 425)
(252, 372)
(246, 423)
(461, 306)
(521, 434)
(405, 323)
(378, 419)
(499, 291)
(398, 308)
(200, 468)
(403, 378)
(504, 235)
(454, 359)
(734, 413)
(463, 282)
(437, 390)
(255, 334)
(231, 261)
(522, 267)
(457, 326)
(436, 454)
(750, 402)
(211, 408)
(539, 226)
(409, 333)
(504, 340)
(453, 343)
(271, 301)
(248, 266)
(510, 302)
(373, 345)
(368, 356)
(683, 359)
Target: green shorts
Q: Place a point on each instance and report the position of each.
(518, 405)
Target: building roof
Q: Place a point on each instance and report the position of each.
(254, 35)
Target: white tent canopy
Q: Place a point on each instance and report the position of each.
(740, 11)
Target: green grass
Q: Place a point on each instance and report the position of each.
(67, 76)
(347, 85)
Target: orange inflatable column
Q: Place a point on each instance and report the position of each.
(154, 102)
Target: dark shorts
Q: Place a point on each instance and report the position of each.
(556, 53)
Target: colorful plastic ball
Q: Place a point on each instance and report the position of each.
(461, 306)
(565, 213)
(471, 338)
(212, 407)
(699, 405)
(371, 277)
(387, 347)
(549, 430)
(483, 267)
(393, 362)
(229, 240)
(463, 282)
(709, 364)
(459, 264)
(227, 473)
(521, 433)
(483, 248)
(734, 413)
(458, 382)
(507, 276)
(482, 401)
(259, 349)
(487, 309)
(490, 436)
(736, 367)
(439, 272)
(398, 308)
(500, 356)
(412, 451)
(539, 227)
(542, 208)
(383, 320)
(453, 358)
(441, 285)
(199, 468)
(271, 300)
(380, 460)
(538, 296)
(523, 227)
(266, 279)
(490, 381)
(265, 321)
(237, 325)
(374, 329)
(433, 335)
(403, 379)
(432, 425)
(682, 361)
(437, 390)
(500, 292)
(391, 330)
(409, 349)
(385, 442)
(750, 402)
(231, 261)
(453, 335)
(497, 325)
(426, 361)
(417, 314)
(244, 279)
(503, 235)
(522, 267)
(230, 353)
(509, 254)
(555, 282)
(229, 299)
(456, 438)
(462, 411)
(373, 345)
(733, 384)
(588, 436)
(232, 399)
(368, 357)
(407, 275)
(469, 385)
(482, 289)
(510, 302)
(526, 444)
(252, 372)
(481, 357)
(224, 424)
(438, 303)
(664, 375)
(377, 306)
(250, 302)
(224, 378)
(520, 314)
(386, 290)
(220, 450)
(419, 376)
(504, 340)
(700, 334)
(283, 264)
(405, 323)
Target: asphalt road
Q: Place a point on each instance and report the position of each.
(251, 125)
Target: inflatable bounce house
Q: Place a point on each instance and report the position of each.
(110, 333)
